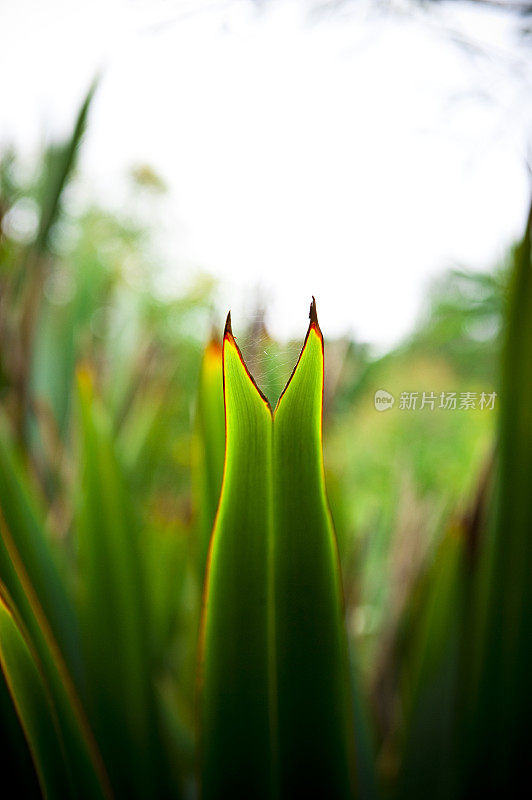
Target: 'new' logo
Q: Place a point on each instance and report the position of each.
(383, 400)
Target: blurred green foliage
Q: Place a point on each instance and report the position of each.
(110, 467)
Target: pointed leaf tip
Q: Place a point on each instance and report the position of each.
(228, 328)
(313, 314)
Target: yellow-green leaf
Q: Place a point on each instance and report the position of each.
(235, 725)
(275, 709)
(208, 447)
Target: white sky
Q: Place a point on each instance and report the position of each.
(352, 157)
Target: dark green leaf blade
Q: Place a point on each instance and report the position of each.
(34, 707)
(16, 765)
(500, 735)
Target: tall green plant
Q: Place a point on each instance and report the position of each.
(275, 698)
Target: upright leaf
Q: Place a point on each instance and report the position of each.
(430, 653)
(314, 704)
(501, 703)
(276, 702)
(235, 712)
(62, 160)
(114, 614)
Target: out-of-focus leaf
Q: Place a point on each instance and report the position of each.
(80, 748)
(430, 659)
(54, 362)
(500, 737)
(113, 614)
(468, 659)
(26, 560)
(276, 703)
(16, 766)
(164, 555)
(34, 707)
(62, 161)
(367, 787)
(25, 290)
(209, 447)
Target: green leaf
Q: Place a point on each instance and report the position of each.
(33, 705)
(502, 701)
(235, 714)
(208, 447)
(315, 734)
(113, 612)
(432, 635)
(276, 702)
(80, 748)
(469, 656)
(16, 765)
(26, 557)
(62, 162)
(28, 572)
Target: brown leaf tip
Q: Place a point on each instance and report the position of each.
(228, 328)
(313, 314)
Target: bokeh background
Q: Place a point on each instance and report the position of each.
(301, 143)
(163, 162)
